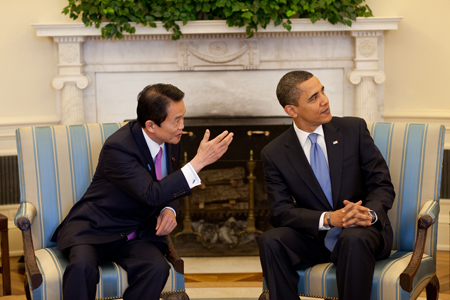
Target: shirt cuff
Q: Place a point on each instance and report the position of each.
(321, 224)
(191, 176)
(168, 207)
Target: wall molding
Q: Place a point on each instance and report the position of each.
(421, 116)
(8, 128)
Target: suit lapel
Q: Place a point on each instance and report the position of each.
(143, 148)
(170, 158)
(298, 160)
(335, 152)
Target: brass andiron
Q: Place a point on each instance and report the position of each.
(251, 165)
(187, 222)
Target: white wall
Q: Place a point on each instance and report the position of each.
(26, 94)
(416, 64)
(417, 59)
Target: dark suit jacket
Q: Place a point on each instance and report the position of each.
(357, 170)
(124, 195)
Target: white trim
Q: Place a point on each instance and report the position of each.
(220, 26)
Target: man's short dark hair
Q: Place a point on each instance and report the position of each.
(154, 100)
(288, 91)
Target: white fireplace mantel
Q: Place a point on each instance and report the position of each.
(222, 72)
(219, 26)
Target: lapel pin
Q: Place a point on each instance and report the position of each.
(173, 158)
(335, 142)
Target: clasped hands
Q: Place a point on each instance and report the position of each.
(352, 215)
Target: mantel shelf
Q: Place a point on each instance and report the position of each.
(220, 27)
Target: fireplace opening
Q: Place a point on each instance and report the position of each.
(225, 215)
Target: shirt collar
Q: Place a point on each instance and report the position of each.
(303, 135)
(152, 145)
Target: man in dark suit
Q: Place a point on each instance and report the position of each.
(338, 214)
(130, 205)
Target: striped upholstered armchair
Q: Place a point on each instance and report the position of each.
(56, 166)
(413, 153)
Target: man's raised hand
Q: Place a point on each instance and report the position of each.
(210, 151)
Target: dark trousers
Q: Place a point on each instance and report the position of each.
(283, 251)
(144, 262)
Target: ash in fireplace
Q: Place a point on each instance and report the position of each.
(225, 232)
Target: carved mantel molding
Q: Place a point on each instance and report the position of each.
(212, 45)
(220, 27)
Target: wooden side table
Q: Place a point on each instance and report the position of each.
(4, 269)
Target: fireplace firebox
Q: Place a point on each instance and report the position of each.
(230, 207)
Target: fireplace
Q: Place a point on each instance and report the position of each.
(222, 72)
(225, 215)
(229, 82)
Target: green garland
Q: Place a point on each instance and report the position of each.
(251, 14)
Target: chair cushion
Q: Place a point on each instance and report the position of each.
(113, 279)
(320, 280)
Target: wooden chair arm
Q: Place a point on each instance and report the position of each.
(174, 258)
(24, 225)
(407, 276)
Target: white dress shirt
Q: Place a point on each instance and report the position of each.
(305, 142)
(189, 173)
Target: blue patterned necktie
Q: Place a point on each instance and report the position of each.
(319, 166)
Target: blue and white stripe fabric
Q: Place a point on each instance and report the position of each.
(56, 165)
(413, 153)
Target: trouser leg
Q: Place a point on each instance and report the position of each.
(146, 268)
(283, 251)
(354, 255)
(81, 275)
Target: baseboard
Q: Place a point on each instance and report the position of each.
(443, 242)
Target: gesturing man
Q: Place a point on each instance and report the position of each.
(329, 191)
(130, 204)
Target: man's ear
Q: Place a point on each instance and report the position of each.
(291, 110)
(150, 126)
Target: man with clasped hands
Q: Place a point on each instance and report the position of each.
(329, 191)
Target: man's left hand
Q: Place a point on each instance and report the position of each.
(166, 222)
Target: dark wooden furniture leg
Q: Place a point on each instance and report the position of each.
(4, 269)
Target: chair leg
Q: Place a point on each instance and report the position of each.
(264, 295)
(433, 289)
(6, 273)
(176, 295)
(26, 287)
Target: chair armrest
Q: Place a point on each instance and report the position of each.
(173, 257)
(407, 276)
(26, 210)
(24, 224)
(430, 208)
